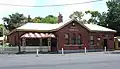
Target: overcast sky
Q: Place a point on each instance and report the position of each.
(44, 11)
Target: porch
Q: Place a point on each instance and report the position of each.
(44, 42)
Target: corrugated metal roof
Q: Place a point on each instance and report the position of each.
(38, 26)
(94, 27)
(46, 26)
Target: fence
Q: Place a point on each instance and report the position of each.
(34, 48)
(8, 49)
(24, 48)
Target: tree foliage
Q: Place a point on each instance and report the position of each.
(1, 30)
(77, 14)
(110, 19)
(95, 15)
(49, 19)
(17, 19)
(113, 15)
(14, 21)
(37, 19)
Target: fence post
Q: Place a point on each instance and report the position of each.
(62, 51)
(37, 52)
(85, 49)
(105, 49)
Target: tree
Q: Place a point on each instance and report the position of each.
(110, 19)
(77, 15)
(95, 15)
(1, 30)
(102, 19)
(49, 19)
(37, 19)
(113, 15)
(14, 21)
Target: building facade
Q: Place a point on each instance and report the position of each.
(71, 35)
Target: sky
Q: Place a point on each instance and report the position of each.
(44, 11)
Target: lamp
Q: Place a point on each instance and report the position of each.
(73, 24)
(98, 38)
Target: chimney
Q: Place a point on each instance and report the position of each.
(60, 18)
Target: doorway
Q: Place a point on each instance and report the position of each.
(54, 45)
(105, 43)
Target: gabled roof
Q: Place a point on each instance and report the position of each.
(57, 26)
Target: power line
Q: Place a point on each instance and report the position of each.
(50, 5)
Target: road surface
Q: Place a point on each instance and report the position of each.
(57, 61)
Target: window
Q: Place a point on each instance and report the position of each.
(79, 41)
(44, 42)
(91, 40)
(32, 42)
(74, 39)
(66, 39)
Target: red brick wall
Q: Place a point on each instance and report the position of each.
(14, 38)
(85, 34)
(81, 30)
(101, 35)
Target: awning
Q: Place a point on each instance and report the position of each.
(38, 35)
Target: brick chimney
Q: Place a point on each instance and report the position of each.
(60, 18)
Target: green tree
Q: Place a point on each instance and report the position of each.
(102, 19)
(95, 15)
(110, 19)
(113, 15)
(1, 30)
(77, 15)
(49, 19)
(37, 19)
(14, 21)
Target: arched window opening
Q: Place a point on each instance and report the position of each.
(79, 40)
(67, 39)
(74, 39)
(91, 40)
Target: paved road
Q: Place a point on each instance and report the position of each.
(56, 61)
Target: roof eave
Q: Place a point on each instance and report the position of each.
(70, 22)
(102, 31)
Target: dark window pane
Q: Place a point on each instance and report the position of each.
(74, 39)
(79, 40)
(32, 42)
(45, 42)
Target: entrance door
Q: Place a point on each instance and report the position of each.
(105, 43)
(53, 44)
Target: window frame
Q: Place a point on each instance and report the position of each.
(73, 39)
(91, 40)
(67, 39)
(79, 40)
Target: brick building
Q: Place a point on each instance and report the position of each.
(71, 35)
